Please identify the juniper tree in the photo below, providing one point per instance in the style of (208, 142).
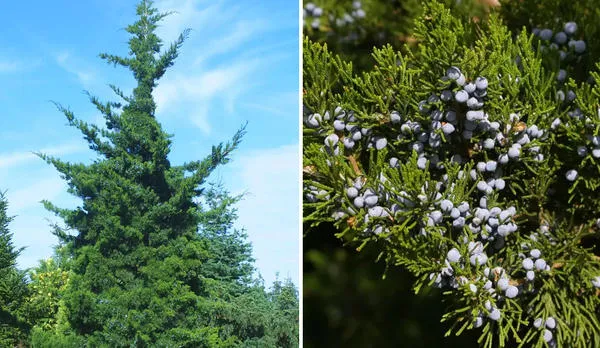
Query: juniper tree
(13, 288)
(138, 260)
(462, 159)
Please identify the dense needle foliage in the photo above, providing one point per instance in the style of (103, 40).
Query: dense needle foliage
(150, 258)
(471, 161)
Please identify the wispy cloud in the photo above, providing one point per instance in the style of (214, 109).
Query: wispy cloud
(65, 61)
(270, 210)
(22, 157)
(242, 32)
(31, 195)
(12, 65)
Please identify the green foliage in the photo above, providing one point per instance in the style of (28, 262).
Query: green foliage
(353, 36)
(13, 288)
(141, 274)
(552, 214)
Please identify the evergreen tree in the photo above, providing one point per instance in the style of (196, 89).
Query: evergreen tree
(232, 263)
(13, 287)
(138, 260)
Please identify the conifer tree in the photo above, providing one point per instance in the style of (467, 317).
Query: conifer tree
(13, 288)
(137, 258)
(472, 162)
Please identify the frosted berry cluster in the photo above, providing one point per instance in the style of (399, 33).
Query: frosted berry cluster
(312, 15)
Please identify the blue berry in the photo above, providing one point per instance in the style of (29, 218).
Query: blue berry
(530, 275)
(546, 34)
(596, 281)
(446, 205)
(528, 264)
(561, 76)
(550, 323)
(488, 143)
(503, 284)
(352, 192)
(461, 96)
(331, 140)
(547, 335)
(560, 38)
(540, 264)
(490, 166)
(570, 28)
(453, 255)
(422, 162)
(451, 116)
(371, 200)
(535, 253)
(514, 152)
(478, 259)
(500, 184)
(395, 117)
(448, 128)
(359, 202)
(511, 291)
(571, 175)
(453, 73)
(349, 143)
(495, 314)
(470, 87)
(481, 83)
(380, 143)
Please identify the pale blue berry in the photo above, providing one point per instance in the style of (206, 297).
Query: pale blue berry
(511, 291)
(547, 335)
(495, 314)
(481, 83)
(488, 143)
(535, 253)
(571, 175)
(540, 264)
(503, 284)
(352, 192)
(453, 73)
(395, 117)
(461, 96)
(560, 38)
(546, 34)
(470, 87)
(528, 264)
(453, 255)
(530, 275)
(448, 128)
(446, 205)
(359, 202)
(596, 281)
(500, 184)
(570, 28)
(380, 143)
(550, 323)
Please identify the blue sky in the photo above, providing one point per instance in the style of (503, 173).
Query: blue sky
(239, 64)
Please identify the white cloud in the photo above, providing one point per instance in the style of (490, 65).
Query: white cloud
(31, 195)
(65, 61)
(22, 157)
(9, 66)
(243, 31)
(270, 212)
